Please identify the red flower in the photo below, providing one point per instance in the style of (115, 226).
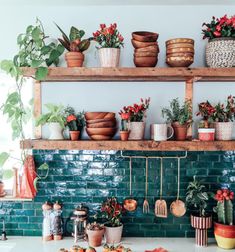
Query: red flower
(217, 34)
(102, 26)
(120, 37)
(71, 118)
(125, 116)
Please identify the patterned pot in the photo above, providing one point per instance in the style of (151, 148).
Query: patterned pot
(223, 130)
(225, 235)
(136, 130)
(201, 224)
(109, 57)
(220, 52)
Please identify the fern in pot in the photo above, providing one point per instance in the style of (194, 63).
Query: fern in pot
(197, 197)
(55, 120)
(180, 116)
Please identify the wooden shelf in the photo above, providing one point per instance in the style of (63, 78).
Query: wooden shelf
(62, 74)
(10, 198)
(145, 145)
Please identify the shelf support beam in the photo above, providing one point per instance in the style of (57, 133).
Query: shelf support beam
(189, 97)
(37, 107)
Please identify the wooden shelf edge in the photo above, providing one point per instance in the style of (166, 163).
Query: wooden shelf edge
(157, 74)
(145, 145)
(10, 198)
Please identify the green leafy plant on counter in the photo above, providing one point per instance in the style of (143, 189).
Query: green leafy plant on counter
(55, 114)
(35, 52)
(74, 42)
(178, 113)
(197, 197)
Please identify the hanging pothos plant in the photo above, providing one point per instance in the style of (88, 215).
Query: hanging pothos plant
(34, 51)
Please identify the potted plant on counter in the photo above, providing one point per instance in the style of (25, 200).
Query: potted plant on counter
(196, 201)
(137, 114)
(205, 130)
(72, 123)
(55, 120)
(180, 116)
(221, 35)
(124, 132)
(110, 42)
(224, 228)
(75, 46)
(224, 117)
(95, 233)
(111, 211)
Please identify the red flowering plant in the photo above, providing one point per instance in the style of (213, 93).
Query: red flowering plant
(137, 112)
(108, 37)
(219, 27)
(206, 111)
(72, 122)
(112, 211)
(124, 120)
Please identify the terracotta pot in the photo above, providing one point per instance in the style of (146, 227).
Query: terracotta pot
(74, 59)
(225, 235)
(113, 234)
(124, 135)
(223, 130)
(2, 192)
(95, 237)
(109, 57)
(136, 130)
(74, 135)
(201, 224)
(55, 131)
(180, 131)
(206, 134)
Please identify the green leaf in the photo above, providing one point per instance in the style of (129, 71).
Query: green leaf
(45, 50)
(84, 45)
(36, 63)
(44, 166)
(54, 55)
(41, 73)
(74, 34)
(7, 174)
(63, 33)
(35, 183)
(60, 49)
(36, 33)
(3, 158)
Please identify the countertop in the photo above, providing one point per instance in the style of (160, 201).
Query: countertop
(35, 244)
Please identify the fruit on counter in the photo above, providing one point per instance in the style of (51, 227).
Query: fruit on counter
(157, 250)
(77, 248)
(90, 249)
(119, 248)
(63, 250)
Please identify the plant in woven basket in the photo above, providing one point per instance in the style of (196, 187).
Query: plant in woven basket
(219, 27)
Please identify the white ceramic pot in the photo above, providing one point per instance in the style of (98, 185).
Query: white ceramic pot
(55, 131)
(109, 57)
(113, 234)
(223, 130)
(136, 130)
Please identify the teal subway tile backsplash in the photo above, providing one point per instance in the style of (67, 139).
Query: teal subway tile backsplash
(90, 176)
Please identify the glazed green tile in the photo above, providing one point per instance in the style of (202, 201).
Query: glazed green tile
(154, 233)
(223, 165)
(30, 225)
(31, 232)
(175, 233)
(14, 232)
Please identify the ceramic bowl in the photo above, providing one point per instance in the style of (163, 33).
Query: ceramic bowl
(101, 137)
(180, 54)
(145, 61)
(107, 124)
(148, 49)
(145, 54)
(99, 115)
(180, 50)
(100, 120)
(179, 61)
(145, 36)
(138, 44)
(180, 45)
(101, 131)
(180, 40)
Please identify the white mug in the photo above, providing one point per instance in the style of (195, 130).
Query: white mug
(162, 132)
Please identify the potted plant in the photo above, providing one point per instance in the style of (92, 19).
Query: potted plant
(137, 114)
(223, 117)
(111, 211)
(205, 131)
(124, 132)
(75, 46)
(72, 123)
(221, 35)
(180, 116)
(95, 233)
(110, 42)
(224, 228)
(196, 201)
(55, 119)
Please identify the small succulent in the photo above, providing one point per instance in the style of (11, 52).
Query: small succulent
(74, 42)
(95, 226)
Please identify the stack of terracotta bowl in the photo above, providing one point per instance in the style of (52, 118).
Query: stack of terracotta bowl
(146, 48)
(180, 52)
(100, 125)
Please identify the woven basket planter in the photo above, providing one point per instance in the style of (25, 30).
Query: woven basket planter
(220, 52)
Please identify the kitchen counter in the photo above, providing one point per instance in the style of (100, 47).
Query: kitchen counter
(35, 244)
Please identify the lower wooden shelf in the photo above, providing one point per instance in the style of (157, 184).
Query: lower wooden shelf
(11, 198)
(144, 145)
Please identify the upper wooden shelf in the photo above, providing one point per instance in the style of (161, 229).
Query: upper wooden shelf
(145, 145)
(62, 74)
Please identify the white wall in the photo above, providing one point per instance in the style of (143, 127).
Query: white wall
(168, 21)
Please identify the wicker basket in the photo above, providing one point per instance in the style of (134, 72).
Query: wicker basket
(220, 52)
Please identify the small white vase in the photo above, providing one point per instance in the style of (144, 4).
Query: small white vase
(113, 234)
(109, 57)
(223, 130)
(136, 130)
(55, 131)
